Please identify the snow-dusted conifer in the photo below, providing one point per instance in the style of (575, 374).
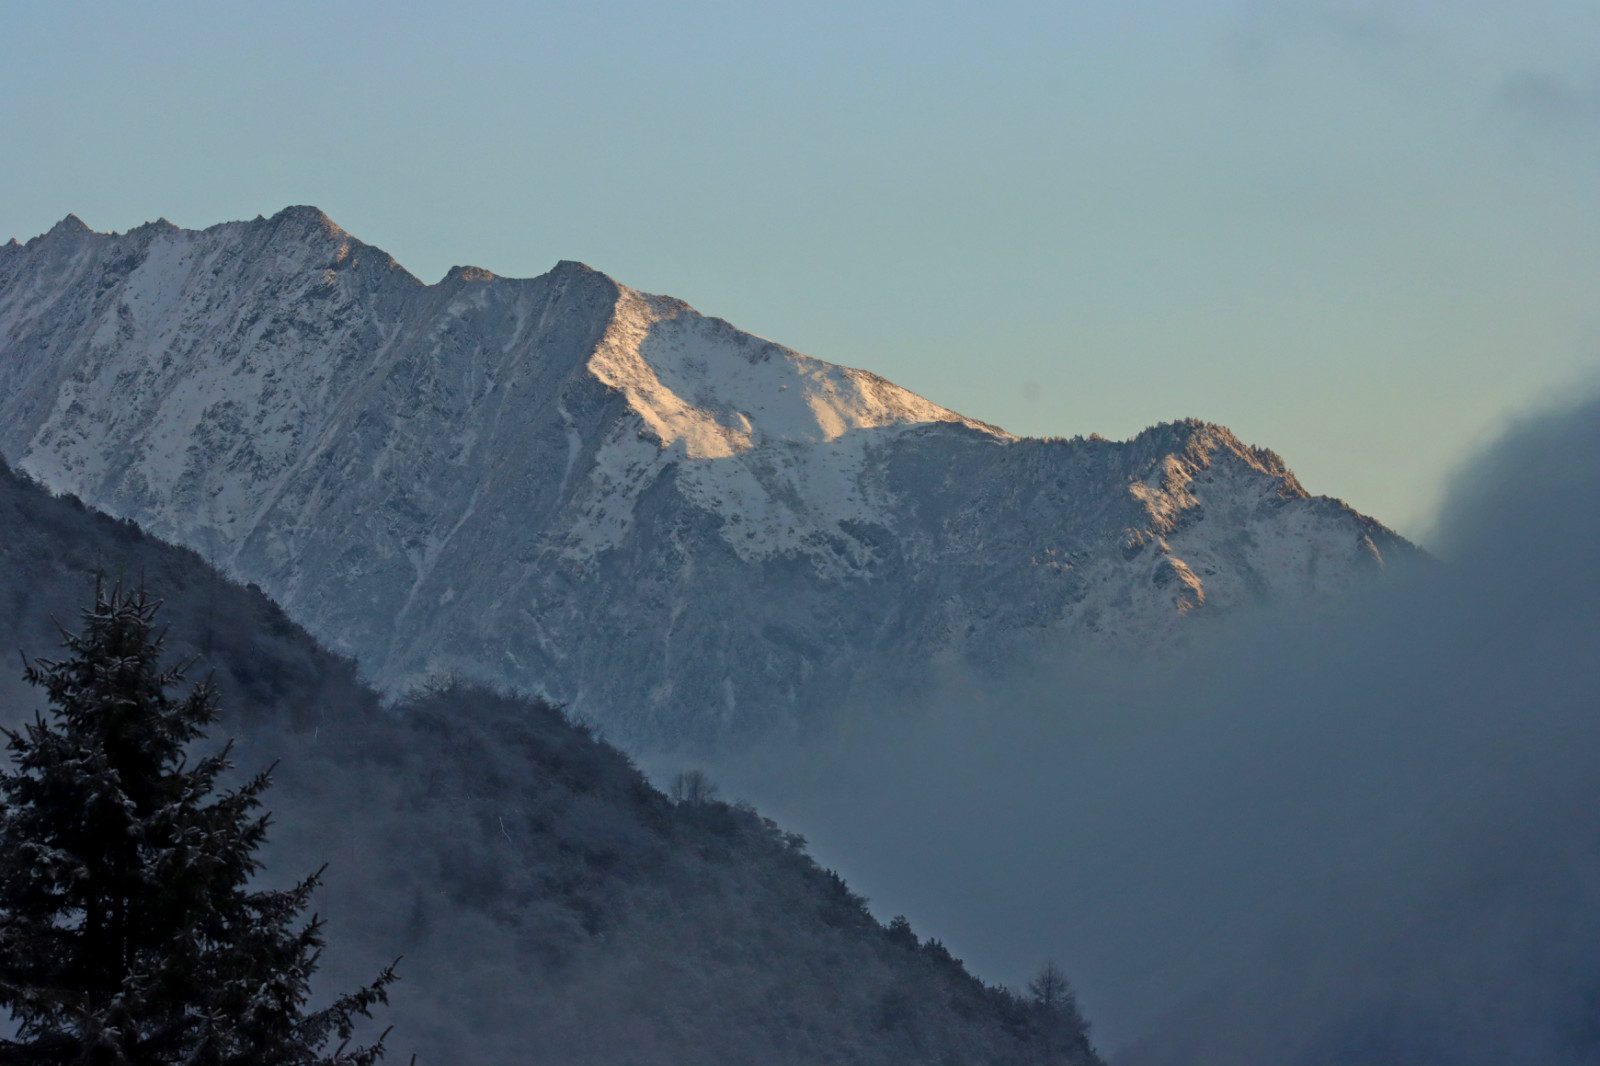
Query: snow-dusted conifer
(129, 933)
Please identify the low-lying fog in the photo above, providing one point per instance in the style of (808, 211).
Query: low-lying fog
(1357, 832)
(1368, 831)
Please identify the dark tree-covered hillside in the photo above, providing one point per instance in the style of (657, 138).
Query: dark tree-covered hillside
(551, 904)
(264, 666)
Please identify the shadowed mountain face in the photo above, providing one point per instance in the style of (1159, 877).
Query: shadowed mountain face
(551, 905)
(566, 486)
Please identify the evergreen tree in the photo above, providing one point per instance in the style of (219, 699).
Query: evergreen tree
(129, 932)
(1050, 990)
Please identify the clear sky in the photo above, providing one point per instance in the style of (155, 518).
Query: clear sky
(1360, 233)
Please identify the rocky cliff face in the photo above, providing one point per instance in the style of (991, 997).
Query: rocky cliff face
(564, 485)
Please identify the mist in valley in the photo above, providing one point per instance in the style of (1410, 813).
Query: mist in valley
(1358, 831)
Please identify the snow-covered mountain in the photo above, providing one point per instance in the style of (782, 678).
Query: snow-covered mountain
(564, 485)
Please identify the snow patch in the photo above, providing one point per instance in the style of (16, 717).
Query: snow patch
(772, 441)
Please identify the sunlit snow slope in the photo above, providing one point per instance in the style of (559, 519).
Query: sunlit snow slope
(564, 485)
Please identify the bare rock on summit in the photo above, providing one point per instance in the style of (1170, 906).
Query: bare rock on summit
(563, 485)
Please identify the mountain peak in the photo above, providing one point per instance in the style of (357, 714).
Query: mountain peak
(303, 212)
(69, 226)
(311, 219)
(469, 274)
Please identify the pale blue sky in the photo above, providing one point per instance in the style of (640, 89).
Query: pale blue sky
(1361, 233)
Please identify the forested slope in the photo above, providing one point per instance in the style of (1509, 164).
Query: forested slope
(552, 906)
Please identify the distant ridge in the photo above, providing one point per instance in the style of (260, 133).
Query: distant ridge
(570, 487)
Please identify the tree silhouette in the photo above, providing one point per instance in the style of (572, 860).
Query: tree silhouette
(129, 932)
(693, 788)
(1058, 1021)
(1049, 988)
